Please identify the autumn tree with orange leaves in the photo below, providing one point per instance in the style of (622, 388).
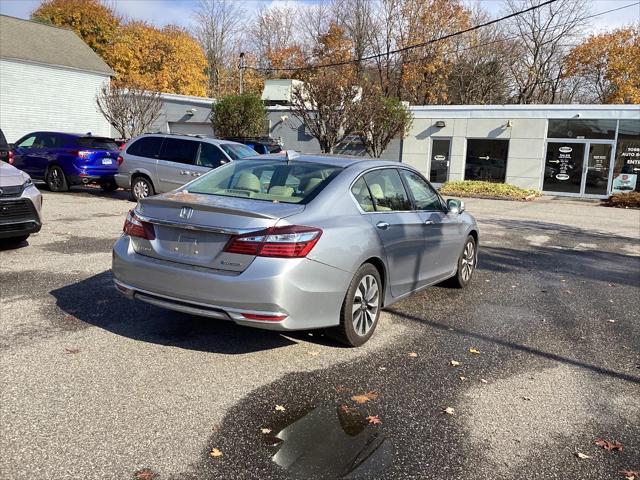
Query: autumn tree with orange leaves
(93, 21)
(609, 66)
(142, 56)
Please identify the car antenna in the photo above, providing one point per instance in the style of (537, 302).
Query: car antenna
(290, 155)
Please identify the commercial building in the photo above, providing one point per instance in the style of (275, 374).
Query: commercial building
(49, 79)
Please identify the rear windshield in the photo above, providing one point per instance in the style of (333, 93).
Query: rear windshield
(236, 151)
(267, 180)
(98, 143)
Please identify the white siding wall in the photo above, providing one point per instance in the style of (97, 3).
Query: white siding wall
(42, 97)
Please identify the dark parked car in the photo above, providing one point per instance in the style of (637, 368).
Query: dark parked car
(262, 145)
(4, 148)
(64, 159)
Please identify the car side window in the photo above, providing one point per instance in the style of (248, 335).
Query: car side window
(210, 156)
(387, 190)
(28, 142)
(361, 193)
(424, 195)
(179, 151)
(48, 140)
(145, 147)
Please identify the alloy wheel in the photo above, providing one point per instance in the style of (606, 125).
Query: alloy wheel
(468, 261)
(141, 189)
(366, 303)
(55, 179)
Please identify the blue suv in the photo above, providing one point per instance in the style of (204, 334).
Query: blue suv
(65, 159)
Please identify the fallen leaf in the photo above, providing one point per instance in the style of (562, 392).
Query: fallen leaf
(279, 408)
(365, 397)
(611, 321)
(412, 354)
(463, 378)
(629, 474)
(450, 411)
(455, 363)
(313, 353)
(473, 350)
(347, 409)
(483, 380)
(581, 456)
(71, 351)
(382, 369)
(145, 474)
(264, 431)
(609, 446)
(215, 452)
(374, 419)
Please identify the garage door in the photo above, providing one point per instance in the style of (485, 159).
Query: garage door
(191, 128)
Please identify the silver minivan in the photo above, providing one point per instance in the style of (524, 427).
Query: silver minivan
(161, 162)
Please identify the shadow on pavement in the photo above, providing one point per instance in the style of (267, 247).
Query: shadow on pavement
(587, 265)
(516, 346)
(96, 302)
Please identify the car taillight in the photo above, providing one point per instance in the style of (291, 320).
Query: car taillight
(120, 160)
(134, 227)
(292, 241)
(10, 157)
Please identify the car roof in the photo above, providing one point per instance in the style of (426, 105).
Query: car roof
(188, 136)
(343, 161)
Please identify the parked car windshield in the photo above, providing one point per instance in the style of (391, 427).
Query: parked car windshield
(237, 151)
(98, 143)
(267, 180)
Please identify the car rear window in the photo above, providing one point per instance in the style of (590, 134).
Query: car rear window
(267, 180)
(237, 151)
(145, 147)
(97, 143)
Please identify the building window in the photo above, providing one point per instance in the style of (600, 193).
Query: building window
(627, 165)
(486, 160)
(440, 149)
(575, 128)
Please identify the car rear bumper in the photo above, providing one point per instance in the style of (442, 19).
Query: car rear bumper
(307, 293)
(87, 178)
(123, 180)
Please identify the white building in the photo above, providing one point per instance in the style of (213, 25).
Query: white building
(49, 79)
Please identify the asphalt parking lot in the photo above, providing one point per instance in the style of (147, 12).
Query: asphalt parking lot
(95, 386)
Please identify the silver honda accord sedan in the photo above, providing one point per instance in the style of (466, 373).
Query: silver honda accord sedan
(288, 243)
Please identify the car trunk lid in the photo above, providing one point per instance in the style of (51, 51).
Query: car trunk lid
(194, 229)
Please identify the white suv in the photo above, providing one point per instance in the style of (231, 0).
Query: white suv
(161, 162)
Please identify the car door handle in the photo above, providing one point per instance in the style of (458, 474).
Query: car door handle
(185, 172)
(382, 225)
(428, 222)
(196, 174)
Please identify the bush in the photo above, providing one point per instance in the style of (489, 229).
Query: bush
(472, 188)
(239, 116)
(624, 200)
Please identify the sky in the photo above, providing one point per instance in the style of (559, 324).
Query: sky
(162, 12)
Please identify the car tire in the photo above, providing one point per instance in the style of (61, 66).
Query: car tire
(358, 319)
(141, 187)
(466, 264)
(109, 186)
(56, 179)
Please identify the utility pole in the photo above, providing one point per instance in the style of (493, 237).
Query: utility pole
(241, 67)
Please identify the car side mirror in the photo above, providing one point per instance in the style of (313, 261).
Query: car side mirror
(455, 206)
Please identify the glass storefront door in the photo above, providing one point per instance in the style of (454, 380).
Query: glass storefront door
(596, 175)
(577, 168)
(439, 171)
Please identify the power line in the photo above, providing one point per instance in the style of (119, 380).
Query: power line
(439, 39)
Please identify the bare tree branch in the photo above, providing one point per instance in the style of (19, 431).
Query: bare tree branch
(131, 111)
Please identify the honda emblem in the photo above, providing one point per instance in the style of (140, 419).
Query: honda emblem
(186, 213)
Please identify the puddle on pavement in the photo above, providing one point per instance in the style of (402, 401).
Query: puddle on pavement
(328, 442)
